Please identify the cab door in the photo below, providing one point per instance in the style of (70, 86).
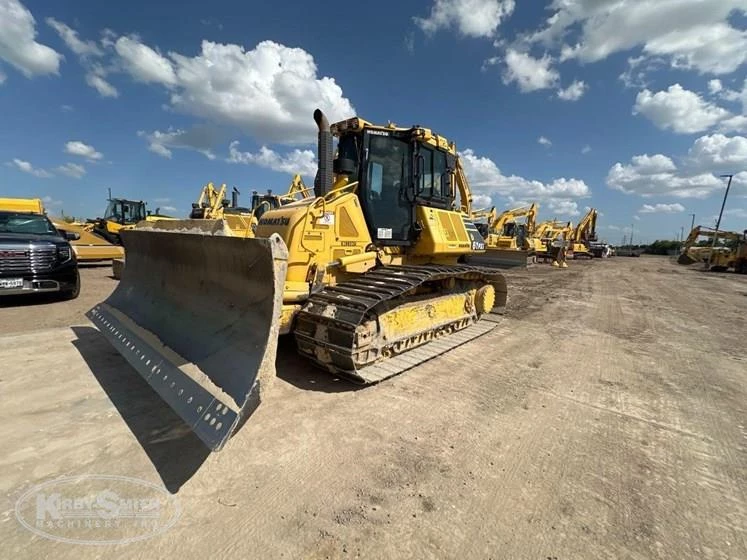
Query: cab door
(386, 188)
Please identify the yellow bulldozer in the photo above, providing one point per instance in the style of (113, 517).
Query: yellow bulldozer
(583, 235)
(552, 239)
(368, 276)
(508, 236)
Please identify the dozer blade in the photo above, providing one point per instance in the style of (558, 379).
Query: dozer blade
(90, 248)
(197, 316)
(502, 258)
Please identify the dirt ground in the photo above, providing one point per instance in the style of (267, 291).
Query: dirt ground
(606, 417)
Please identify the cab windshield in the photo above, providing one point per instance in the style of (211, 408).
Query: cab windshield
(125, 211)
(34, 224)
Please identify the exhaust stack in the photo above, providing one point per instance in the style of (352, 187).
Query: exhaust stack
(323, 180)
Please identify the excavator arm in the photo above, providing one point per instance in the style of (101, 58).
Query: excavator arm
(462, 186)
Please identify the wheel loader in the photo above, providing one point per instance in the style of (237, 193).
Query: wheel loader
(508, 241)
(368, 276)
(122, 214)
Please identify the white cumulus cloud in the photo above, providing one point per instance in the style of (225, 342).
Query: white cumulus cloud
(200, 139)
(544, 141)
(143, 63)
(696, 175)
(72, 170)
(661, 208)
(73, 42)
(295, 161)
(487, 180)
(529, 73)
(678, 109)
(98, 81)
(26, 167)
(472, 18)
(573, 92)
(78, 148)
(18, 45)
(689, 34)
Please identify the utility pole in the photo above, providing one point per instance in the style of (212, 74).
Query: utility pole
(718, 222)
(692, 224)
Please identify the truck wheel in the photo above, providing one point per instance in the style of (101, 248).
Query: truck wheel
(73, 292)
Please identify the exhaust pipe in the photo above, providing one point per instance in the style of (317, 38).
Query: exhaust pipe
(323, 179)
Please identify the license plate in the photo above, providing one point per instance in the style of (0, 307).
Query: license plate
(11, 283)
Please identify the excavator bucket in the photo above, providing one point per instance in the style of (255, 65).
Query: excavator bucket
(686, 258)
(502, 258)
(196, 313)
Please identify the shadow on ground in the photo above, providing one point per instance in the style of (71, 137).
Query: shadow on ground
(175, 451)
(24, 300)
(302, 373)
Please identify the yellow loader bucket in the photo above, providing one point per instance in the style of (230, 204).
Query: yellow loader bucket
(197, 316)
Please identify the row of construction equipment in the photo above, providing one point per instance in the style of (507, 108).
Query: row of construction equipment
(383, 265)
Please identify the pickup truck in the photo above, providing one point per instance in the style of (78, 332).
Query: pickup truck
(36, 257)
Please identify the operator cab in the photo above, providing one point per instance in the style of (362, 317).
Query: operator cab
(124, 211)
(395, 172)
(261, 203)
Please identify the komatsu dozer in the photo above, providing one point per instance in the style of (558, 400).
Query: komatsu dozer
(368, 276)
(508, 237)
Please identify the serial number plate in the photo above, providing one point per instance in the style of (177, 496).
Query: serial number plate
(11, 282)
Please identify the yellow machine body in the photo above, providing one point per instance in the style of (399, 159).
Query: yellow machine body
(369, 275)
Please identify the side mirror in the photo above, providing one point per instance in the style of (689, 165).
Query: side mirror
(72, 235)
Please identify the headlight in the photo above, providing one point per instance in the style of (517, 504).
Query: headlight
(63, 254)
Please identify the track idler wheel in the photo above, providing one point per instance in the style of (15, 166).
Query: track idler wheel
(485, 299)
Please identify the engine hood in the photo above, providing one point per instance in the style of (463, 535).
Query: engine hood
(20, 238)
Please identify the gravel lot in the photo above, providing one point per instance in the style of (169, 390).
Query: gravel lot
(605, 418)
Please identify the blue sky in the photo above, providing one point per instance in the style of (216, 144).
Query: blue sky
(633, 107)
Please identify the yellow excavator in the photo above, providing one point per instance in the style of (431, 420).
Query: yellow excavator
(508, 241)
(368, 276)
(213, 204)
(583, 235)
(552, 239)
(721, 258)
(235, 220)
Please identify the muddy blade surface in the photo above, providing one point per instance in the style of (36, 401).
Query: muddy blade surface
(197, 316)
